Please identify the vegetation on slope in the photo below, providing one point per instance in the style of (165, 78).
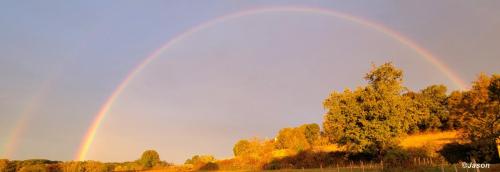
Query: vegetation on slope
(380, 125)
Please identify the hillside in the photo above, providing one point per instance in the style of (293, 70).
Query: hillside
(431, 138)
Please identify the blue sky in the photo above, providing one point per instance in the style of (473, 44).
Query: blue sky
(242, 78)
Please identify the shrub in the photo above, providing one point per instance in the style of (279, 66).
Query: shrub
(211, 166)
(396, 157)
(456, 152)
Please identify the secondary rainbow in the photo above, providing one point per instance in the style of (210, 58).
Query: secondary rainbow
(428, 56)
(21, 125)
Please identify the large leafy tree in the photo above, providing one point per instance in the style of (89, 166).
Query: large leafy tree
(149, 158)
(370, 118)
(481, 112)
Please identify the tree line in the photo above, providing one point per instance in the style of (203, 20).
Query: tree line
(150, 159)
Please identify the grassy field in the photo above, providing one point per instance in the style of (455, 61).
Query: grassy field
(433, 138)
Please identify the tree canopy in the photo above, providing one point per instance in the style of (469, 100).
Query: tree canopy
(149, 158)
(370, 118)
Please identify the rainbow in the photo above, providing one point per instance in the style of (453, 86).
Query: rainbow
(22, 123)
(13, 138)
(428, 56)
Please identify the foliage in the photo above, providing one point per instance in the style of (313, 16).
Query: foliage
(149, 158)
(307, 159)
(455, 118)
(34, 168)
(456, 152)
(370, 118)
(292, 138)
(210, 166)
(480, 108)
(202, 162)
(200, 159)
(299, 138)
(128, 166)
(242, 147)
(430, 105)
(396, 157)
(312, 132)
(85, 166)
(249, 154)
(4, 163)
(253, 148)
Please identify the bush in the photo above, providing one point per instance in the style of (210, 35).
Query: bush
(307, 159)
(34, 168)
(211, 166)
(241, 163)
(396, 157)
(456, 152)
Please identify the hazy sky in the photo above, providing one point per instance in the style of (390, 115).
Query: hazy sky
(241, 78)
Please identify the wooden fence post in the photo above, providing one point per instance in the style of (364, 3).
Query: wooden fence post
(350, 166)
(474, 162)
(382, 164)
(362, 166)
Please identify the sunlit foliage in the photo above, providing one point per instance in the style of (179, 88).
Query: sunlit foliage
(370, 118)
(292, 138)
(149, 158)
(481, 113)
(430, 108)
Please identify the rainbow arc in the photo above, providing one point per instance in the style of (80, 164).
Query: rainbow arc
(428, 56)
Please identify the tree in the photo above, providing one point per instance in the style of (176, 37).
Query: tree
(311, 132)
(481, 111)
(4, 164)
(242, 147)
(95, 166)
(371, 118)
(149, 158)
(430, 107)
(292, 138)
(72, 166)
(454, 105)
(253, 148)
